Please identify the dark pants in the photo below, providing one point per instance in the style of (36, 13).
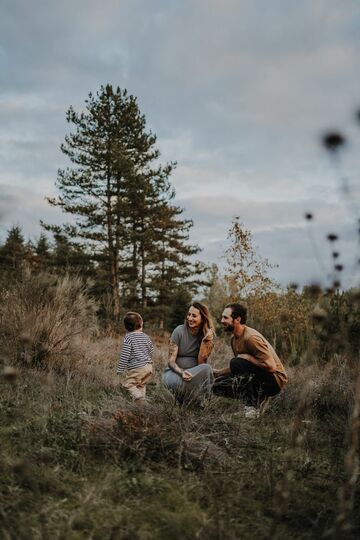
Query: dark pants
(246, 381)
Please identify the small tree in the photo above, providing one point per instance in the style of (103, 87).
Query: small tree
(14, 251)
(246, 271)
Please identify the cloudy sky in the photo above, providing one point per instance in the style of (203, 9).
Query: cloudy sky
(238, 93)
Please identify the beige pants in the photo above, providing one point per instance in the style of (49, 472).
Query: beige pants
(136, 380)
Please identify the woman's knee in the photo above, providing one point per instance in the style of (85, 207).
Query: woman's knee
(172, 383)
(207, 369)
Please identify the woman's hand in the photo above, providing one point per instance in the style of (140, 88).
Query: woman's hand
(207, 345)
(186, 376)
(209, 335)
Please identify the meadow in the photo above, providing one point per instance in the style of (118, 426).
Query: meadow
(79, 461)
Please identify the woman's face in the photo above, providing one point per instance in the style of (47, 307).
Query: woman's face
(193, 318)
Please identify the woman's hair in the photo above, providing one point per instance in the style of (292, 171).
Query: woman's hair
(206, 319)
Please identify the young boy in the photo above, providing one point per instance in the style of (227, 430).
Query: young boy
(136, 356)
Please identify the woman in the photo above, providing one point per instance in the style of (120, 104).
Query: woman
(188, 375)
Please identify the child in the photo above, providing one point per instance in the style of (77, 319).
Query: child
(136, 356)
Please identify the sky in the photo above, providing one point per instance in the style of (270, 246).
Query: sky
(238, 92)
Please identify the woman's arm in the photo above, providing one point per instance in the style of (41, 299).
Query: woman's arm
(206, 347)
(173, 352)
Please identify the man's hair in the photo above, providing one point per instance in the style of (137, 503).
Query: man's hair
(132, 321)
(238, 310)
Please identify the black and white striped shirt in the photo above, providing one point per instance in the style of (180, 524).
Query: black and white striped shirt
(136, 352)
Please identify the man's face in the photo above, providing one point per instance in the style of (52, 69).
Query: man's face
(227, 320)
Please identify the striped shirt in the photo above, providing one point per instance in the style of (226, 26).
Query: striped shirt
(136, 352)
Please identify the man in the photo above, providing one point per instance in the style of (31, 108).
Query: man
(256, 372)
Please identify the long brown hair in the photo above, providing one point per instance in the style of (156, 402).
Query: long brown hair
(206, 319)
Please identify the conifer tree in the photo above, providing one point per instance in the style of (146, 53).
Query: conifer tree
(116, 190)
(14, 251)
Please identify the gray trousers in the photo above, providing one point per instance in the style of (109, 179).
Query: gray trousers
(200, 384)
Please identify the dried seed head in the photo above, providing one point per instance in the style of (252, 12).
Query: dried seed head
(335, 254)
(314, 290)
(25, 338)
(10, 374)
(355, 295)
(318, 314)
(309, 216)
(333, 141)
(336, 284)
(332, 237)
(330, 290)
(339, 267)
(293, 286)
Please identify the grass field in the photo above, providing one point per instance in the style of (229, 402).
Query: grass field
(78, 460)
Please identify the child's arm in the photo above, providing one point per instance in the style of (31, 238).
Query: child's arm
(124, 356)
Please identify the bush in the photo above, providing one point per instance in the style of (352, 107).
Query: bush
(42, 319)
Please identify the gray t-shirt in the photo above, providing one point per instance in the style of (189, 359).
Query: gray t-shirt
(188, 344)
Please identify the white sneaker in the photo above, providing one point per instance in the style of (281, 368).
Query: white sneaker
(251, 412)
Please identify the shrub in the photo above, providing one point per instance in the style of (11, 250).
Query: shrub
(42, 318)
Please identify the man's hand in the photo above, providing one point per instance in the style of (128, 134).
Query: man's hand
(219, 372)
(186, 376)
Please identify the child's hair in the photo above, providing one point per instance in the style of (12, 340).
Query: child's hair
(132, 321)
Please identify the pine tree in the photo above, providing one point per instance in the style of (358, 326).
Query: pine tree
(14, 252)
(42, 251)
(116, 192)
(69, 257)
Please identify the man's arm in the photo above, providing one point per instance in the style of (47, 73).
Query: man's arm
(223, 371)
(260, 354)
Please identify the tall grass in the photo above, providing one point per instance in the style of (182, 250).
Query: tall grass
(78, 460)
(44, 318)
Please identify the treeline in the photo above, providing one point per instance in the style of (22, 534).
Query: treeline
(60, 257)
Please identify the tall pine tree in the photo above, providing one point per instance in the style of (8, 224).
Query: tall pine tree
(116, 192)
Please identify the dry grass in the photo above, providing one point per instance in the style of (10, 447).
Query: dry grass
(43, 320)
(78, 460)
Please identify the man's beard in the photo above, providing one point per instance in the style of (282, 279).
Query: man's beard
(228, 328)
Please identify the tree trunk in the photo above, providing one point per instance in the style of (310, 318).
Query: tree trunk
(143, 278)
(114, 262)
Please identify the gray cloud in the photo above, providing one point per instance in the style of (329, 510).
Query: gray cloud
(299, 249)
(238, 92)
(24, 207)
